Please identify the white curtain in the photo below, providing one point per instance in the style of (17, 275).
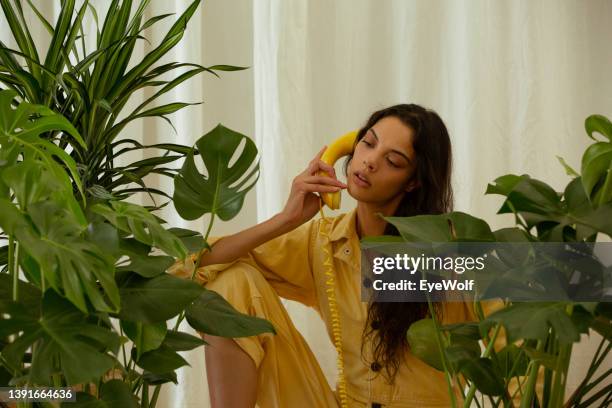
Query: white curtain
(513, 81)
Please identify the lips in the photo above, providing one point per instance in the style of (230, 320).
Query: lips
(360, 179)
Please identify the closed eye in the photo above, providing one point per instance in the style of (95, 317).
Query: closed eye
(389, 160)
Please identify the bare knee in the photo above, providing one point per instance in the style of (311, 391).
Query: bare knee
(231, 374)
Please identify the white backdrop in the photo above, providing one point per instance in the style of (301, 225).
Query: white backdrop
(513, 81)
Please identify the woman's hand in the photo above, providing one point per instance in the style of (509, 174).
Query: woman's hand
(303, 202)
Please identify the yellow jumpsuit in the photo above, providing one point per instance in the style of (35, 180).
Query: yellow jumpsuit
(291, 266)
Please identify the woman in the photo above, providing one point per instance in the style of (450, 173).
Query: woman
(401, 165)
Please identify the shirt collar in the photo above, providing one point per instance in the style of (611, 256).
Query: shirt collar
(345, 227)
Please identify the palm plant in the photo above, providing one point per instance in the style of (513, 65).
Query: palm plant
(84, 270)
(91, 88)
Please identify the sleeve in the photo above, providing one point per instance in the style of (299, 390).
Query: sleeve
(285, 262)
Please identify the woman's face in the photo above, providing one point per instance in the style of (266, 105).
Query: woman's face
(383, 162)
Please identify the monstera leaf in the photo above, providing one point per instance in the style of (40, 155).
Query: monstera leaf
(142, 224)
(533, 320)
(222, 192)
(211, 314)
(454, 226)
(20, 133)
(596, 165)
(599, 124)
(421, 338)
(63, 335)
(51, 235)
(527, 195)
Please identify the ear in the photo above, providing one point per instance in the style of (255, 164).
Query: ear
(412, 185)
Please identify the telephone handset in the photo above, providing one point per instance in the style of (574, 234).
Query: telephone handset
(340, 147)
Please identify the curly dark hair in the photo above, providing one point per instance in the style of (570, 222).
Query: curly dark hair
(386, 322)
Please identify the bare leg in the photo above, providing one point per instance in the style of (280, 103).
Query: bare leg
(231, 374)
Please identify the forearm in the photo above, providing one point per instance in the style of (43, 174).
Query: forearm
(232, 247)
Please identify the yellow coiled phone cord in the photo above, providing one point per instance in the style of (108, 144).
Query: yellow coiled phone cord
(330, 284)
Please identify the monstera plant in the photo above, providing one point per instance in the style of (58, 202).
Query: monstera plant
(85, 300)
(539, 336)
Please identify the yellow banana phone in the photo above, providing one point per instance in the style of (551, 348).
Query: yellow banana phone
(340, 147)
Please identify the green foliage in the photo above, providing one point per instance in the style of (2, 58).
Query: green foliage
(66, 339)
(419, 336)
(157, 299)
(535, 320)
(113, 393)
(455, 226)
(139, 222)
(92, 304)
(92, 88)
(537, 333)
(222, 192)
(212, 314)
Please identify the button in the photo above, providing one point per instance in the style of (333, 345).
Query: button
(347, 251)
(375, 366)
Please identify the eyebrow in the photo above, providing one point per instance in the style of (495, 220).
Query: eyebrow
(393, 150)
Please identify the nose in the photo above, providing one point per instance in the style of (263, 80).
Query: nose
(369, 163)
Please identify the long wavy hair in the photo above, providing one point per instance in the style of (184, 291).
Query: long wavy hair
(387, 323)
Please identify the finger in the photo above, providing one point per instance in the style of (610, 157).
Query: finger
(318, 156)
(316, 166)
(312, 169)
(328, 168)
(323, 180)
(313, 164)
(321, 188)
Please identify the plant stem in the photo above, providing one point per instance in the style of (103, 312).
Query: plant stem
(580, 390)
(182, 314)
(144, 400)
(598, 380)
(560, 375)
(534, 365)
(487, 353)
(137, 384)
(595, 397)
(461, 387)
(125, 361)
(442, 355)
(195, 269)
(13, 270)
(210, 224)
(602, 357)
(478, 310)
(608, 399)
(515, 365)
(519, 389)
(154, 397)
